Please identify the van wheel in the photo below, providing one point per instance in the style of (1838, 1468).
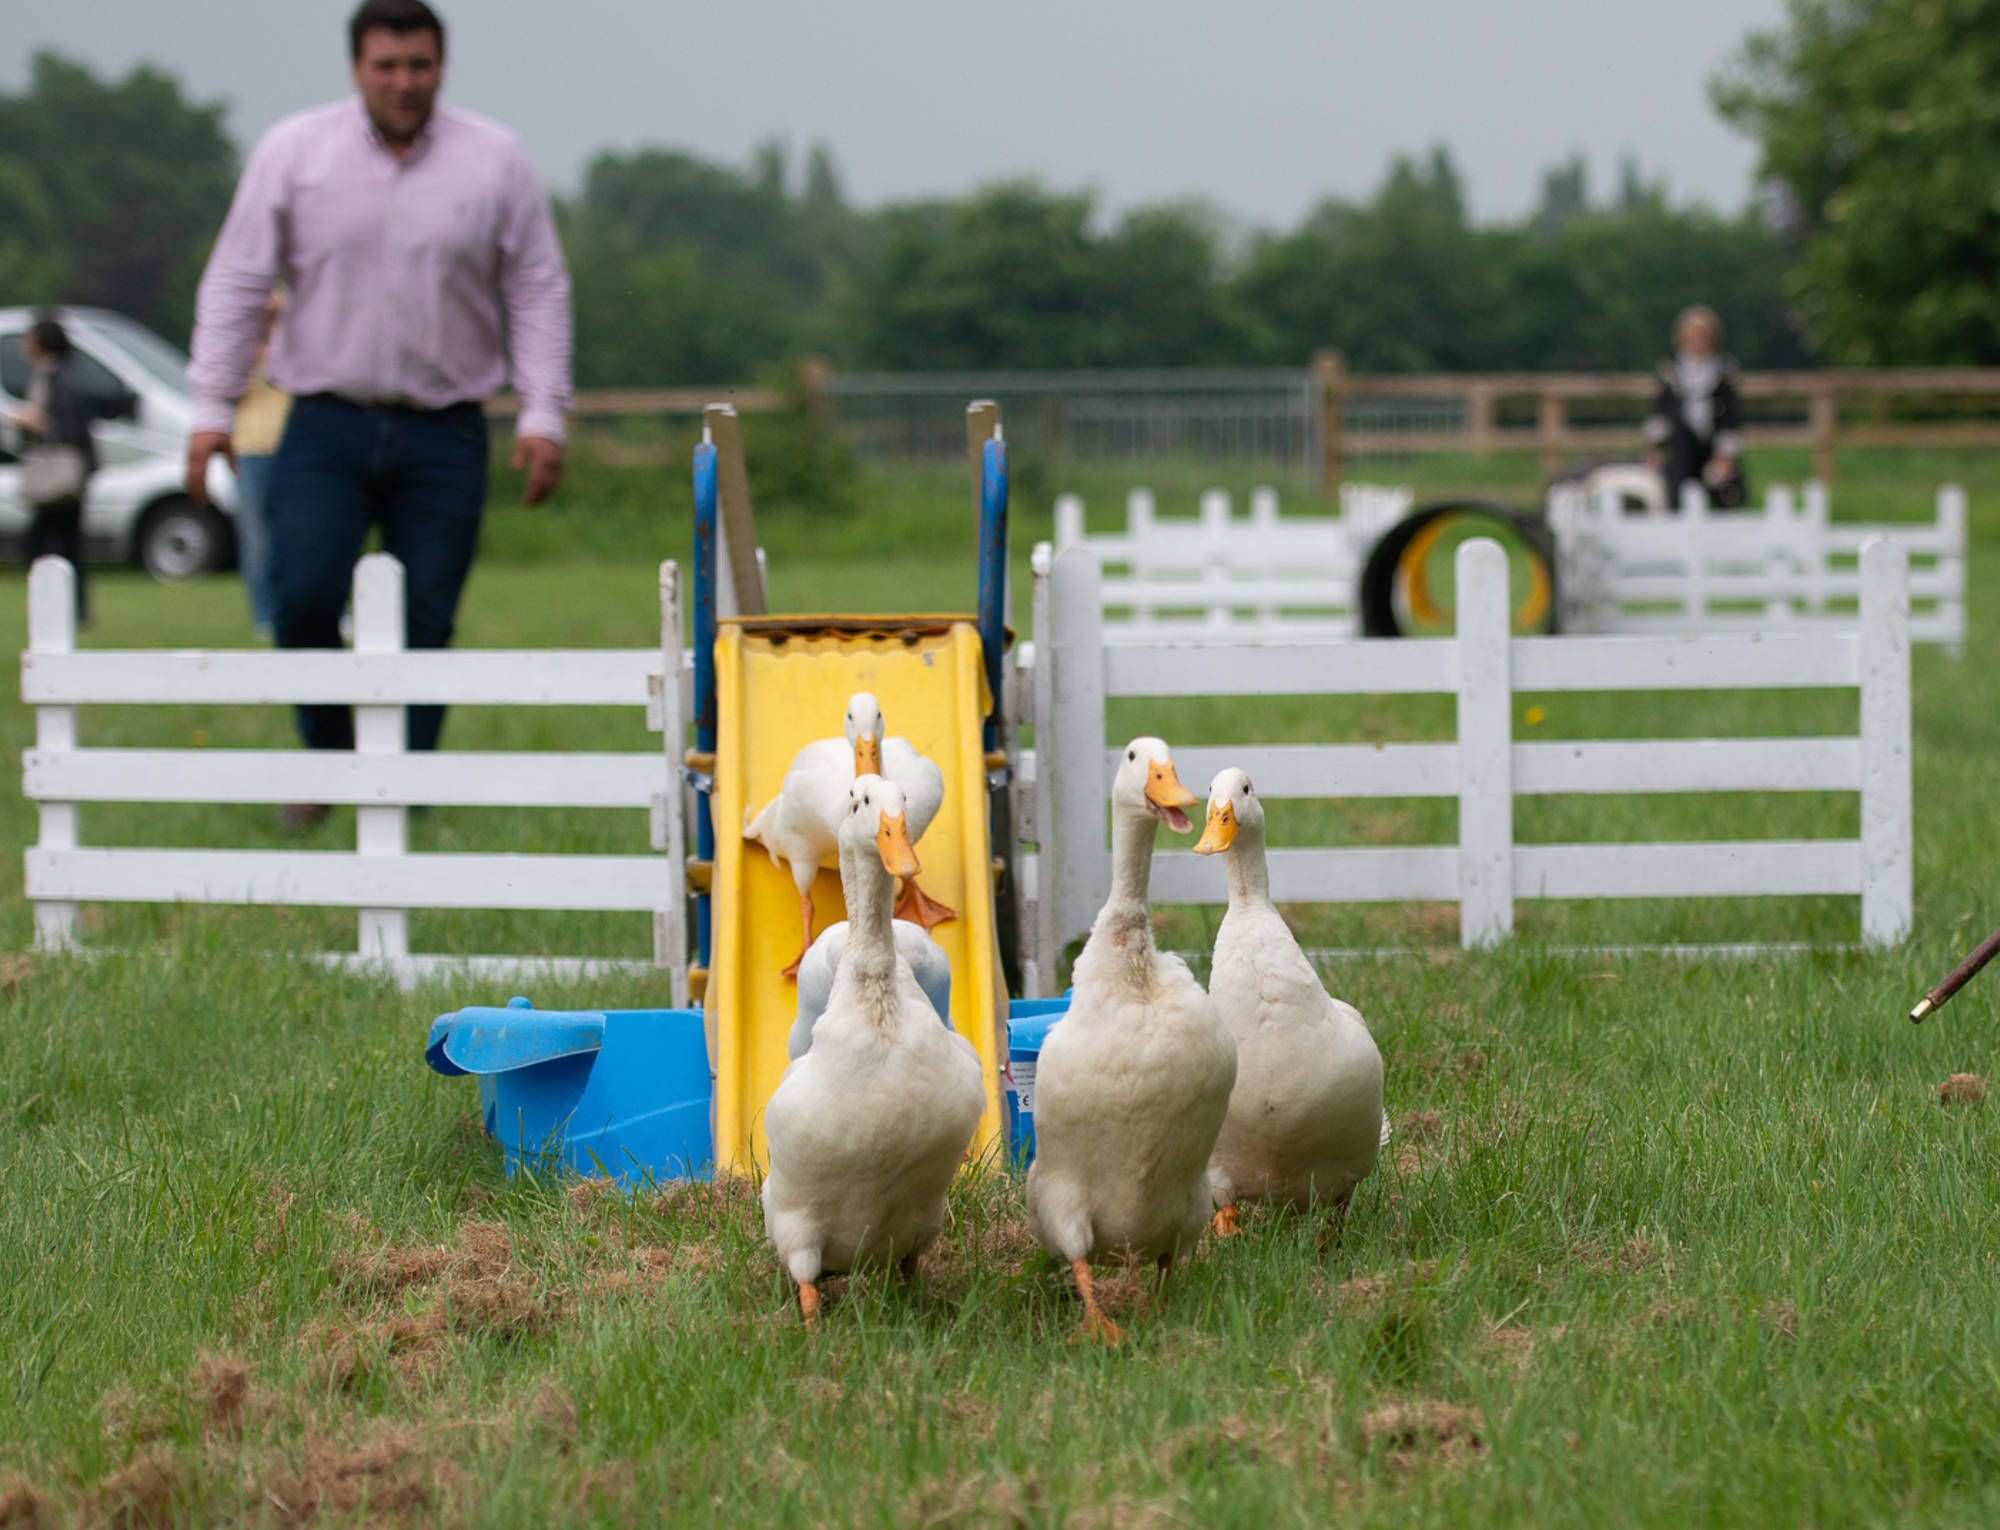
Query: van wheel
(179, 539)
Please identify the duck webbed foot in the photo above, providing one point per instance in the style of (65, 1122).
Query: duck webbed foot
(809, 1304)
(1228, 1222)
(916, 906)
(1097, 1328)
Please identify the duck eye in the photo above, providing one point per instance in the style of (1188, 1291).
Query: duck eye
(1131, 754)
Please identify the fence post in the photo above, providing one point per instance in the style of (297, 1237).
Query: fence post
(815, 372)
(1039, 970)
(1329, 371)
(52, 629)
(378, 732)
(670, 947)
(1073, 753)
(1951, 508)
(1551, 419)
(1825, 427)
(1069, 519)
(1886, 799)
(1485, 746)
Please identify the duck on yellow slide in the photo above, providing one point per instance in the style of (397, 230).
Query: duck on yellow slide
(780, 684)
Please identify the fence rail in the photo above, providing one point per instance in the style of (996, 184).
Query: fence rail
(380, 877)
(1307, 422)
(1221, 577)
(1066, 876)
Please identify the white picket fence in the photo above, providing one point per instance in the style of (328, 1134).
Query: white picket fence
(1073, 671)
(1221, 574)
(380, 877)
(1226, 576)
(1785, 565)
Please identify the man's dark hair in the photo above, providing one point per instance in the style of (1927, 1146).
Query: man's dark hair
(397, 16)
(51, 339)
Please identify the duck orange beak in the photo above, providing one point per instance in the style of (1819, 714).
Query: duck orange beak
(867, 756)
(1220, 832)
(1166, 796)
(892, 843)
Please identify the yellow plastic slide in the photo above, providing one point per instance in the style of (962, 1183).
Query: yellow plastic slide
(782, 682)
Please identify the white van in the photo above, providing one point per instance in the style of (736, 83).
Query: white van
(135, 510)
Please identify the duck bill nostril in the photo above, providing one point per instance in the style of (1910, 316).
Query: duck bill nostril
(1219, 833)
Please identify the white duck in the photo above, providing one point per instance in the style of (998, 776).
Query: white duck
(1132, 1086)
(1305, 1119)
(928, 963)
(867, 1129)
(798, 828)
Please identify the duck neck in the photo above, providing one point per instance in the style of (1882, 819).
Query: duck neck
(869, 958)
(1128, 915)
(1249, 872)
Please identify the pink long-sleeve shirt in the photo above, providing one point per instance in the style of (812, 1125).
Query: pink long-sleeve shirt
(400, 270)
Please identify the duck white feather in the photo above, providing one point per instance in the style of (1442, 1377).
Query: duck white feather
(799, 828)
(1305, 1119)
(1131, 1088)
(928, 963)
(867, 1129)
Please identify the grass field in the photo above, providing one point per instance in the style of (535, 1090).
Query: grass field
(1656, 1243)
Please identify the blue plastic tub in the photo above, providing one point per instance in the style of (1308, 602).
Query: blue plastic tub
(618, 1092)
(1028, 1023)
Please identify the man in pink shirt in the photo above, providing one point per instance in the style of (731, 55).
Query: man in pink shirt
(408, 232)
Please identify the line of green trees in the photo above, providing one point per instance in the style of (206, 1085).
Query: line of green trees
(1875, 244)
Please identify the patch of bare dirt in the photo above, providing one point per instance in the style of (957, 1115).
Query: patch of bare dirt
(21, 1506)
(221, 1386)
(1962, 1089)
(1424, 1433)
(957, 1499)
(138, 1496)
(1510, 1343)
(551, 1415)
(16, 969)
(1230, 1441)
(585, 1194)
(389, 1474)
(1373, 1289)
(1780, 1317)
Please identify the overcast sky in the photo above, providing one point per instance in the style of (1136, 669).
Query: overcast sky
(1260, 106)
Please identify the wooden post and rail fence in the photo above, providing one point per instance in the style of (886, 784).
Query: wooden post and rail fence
(1818, 411)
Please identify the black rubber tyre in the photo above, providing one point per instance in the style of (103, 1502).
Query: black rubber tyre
(1378, 577)
(180, 540)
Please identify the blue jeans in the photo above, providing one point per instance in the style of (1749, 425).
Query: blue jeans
(420, 475)
(253, 538)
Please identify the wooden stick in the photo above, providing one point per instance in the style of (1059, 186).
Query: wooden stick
(1957, 978)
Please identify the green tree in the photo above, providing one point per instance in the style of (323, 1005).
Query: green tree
(1881, 121)
(1403, 283)
(1010, 277)
(134, 180)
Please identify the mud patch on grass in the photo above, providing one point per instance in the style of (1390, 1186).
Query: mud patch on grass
(1962, 1089)
(1414, 1435)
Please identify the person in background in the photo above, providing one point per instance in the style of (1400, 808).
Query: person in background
(260, 425)
(1694, 433)
(421, 257)
(58, 454)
